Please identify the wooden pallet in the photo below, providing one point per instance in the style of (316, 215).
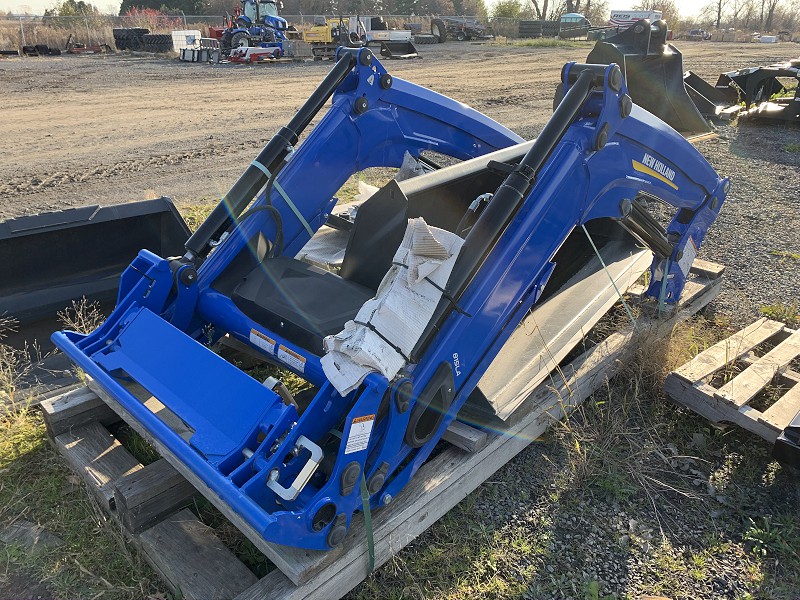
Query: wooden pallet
(193, 562)
(729, 402)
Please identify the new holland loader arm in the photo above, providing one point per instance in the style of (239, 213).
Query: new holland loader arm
(292, 468)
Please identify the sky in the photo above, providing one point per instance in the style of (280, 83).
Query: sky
(687, 7)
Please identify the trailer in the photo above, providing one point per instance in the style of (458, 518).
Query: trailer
(626, 18)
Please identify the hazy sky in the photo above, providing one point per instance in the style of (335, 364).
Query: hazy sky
(687, 7)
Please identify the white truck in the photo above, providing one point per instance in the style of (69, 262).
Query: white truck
(374, 29)
(626, 18)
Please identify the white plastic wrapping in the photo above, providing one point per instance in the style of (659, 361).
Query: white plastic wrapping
(387, 328)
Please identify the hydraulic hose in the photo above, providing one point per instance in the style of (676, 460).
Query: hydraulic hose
(253, 179)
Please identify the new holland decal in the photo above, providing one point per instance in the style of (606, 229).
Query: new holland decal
(655, 168)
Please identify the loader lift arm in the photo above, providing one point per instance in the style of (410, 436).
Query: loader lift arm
(291, 469)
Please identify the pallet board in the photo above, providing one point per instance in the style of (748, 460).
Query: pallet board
(188, 556)
(691, 384)
(191, 560)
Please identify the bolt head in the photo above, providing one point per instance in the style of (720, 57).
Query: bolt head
(387, 499)
(602, 137)
(625, 106)
(615, 79)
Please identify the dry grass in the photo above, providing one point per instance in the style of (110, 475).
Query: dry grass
(15, 364)
(82, 316)
(15, 33)
(11, 36)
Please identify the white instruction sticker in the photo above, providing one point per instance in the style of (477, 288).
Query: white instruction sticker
(262, 341)
(360, 430)
(293, 359)
(689, 254)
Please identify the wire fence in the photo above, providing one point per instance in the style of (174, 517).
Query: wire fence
(17, 31)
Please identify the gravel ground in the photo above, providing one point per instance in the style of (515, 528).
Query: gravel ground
(761, 217)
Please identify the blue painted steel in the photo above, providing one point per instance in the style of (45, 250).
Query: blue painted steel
(244, 435)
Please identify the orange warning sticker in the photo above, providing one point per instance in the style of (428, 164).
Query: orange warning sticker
(259, 340)
(292, 358)
(360, 432)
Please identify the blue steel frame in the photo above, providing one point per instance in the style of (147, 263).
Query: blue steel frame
(243, 431)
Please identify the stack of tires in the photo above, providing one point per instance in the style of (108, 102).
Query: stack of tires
(40, 50)
(157, 42)
(130, 38)
(530, 29)
(536, 29)
(550, 28)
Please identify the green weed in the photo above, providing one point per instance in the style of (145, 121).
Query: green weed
(785, 313)
(786, 253)
(776, 537)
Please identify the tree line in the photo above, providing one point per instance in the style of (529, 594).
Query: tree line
(748, 15)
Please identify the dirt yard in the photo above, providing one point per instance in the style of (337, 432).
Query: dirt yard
(108, 129)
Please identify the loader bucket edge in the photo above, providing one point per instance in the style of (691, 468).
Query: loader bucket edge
(50, 259)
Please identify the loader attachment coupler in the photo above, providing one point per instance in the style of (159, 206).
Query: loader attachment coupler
(438, 272)
(653, 70)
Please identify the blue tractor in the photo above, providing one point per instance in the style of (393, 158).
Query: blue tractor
(258, 24)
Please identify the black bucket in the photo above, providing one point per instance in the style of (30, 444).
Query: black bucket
(395, 50)
(708, 99)
(50, 259)
(653, 71)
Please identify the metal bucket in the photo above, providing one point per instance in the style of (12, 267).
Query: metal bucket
(653, 70)
(50, 259)
(399, 50)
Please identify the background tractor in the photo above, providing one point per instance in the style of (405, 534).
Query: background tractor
(257, 24)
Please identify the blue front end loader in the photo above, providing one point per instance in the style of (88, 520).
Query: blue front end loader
(296, 469)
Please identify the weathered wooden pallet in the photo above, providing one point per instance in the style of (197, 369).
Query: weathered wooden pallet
(193, 562)
(730, 401)
(147, 500)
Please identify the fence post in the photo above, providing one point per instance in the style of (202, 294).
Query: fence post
(22, 31)
(86, 22)
(185, 27)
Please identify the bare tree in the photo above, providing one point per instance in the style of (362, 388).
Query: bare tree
(770, 5)
(717, 7)
(668, 8)
(540, 12)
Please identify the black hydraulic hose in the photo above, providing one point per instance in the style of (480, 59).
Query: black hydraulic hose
(277, 247)
(276, 150)
(508, 199)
